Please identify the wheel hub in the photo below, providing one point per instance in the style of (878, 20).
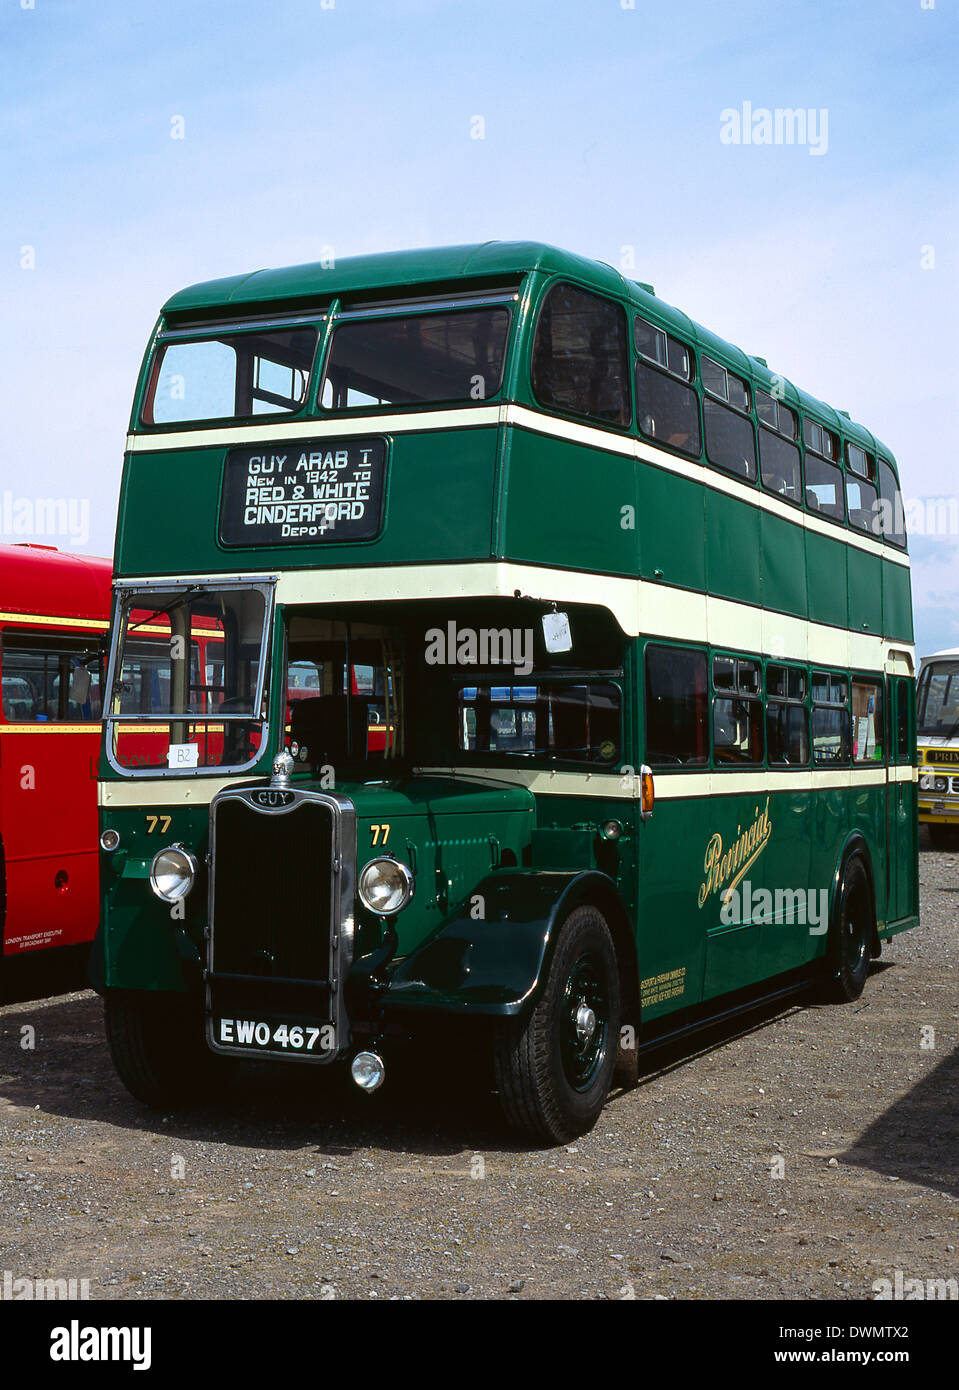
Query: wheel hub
(584, 1030)
(585, 1022)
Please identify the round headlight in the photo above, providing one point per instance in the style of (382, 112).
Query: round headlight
(385, 886)
(942, 784)
(172, 873)
(109, 840)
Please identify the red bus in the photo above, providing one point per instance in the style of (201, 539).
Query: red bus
(54, 613)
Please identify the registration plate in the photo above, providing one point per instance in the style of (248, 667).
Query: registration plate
(309, 1039)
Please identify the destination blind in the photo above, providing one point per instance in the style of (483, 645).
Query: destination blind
(303, 492)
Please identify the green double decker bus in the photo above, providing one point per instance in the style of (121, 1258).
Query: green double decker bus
(499, 656)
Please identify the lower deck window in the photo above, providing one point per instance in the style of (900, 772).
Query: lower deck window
(787, 733)
(738, 731)
(575, 723)
(867, 722)
(677, 696)
(50, 679)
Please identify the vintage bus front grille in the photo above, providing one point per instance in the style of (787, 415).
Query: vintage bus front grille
(280, 906)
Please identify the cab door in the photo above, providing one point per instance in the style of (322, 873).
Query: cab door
(901, 813)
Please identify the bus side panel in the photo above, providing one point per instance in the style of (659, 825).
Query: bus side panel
(865, 591)
(566, 504)
(896, 602)
(49, 830)
(786, 936)
(732, 549)
(671, 518)
(826, 580)
(782, 556)
(671, 927)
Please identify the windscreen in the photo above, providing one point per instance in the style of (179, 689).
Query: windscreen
(186, 680)
(938, 700)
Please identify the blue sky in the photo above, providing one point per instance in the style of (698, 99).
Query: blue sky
(309, 125)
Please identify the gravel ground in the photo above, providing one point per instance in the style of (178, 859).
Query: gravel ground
(420, 1193)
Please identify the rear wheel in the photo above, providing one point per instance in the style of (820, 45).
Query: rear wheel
(554, 1067)
(158, 1047)
(852, 934)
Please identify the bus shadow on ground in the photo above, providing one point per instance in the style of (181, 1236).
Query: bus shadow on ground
(42, 974)
(917, 1139)
(434, 1105)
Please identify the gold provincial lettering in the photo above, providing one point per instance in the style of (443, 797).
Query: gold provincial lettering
(723, 868)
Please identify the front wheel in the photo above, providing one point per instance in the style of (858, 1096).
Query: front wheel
(158, 1047)
(852, 932)
(555, 1066)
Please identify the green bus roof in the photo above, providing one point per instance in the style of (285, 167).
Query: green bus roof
(449, 266)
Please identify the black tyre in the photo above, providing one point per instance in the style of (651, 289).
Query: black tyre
(158, 1047)
(554, 1067)
(851, 937)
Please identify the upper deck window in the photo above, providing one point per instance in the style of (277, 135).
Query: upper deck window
(893, 514)
(778, 461)
(720, 382)
(416, 358)
(775, 415)
(580, 355)
(862, 494)
(668, 406)
(824, 490)
(729, 432)
(229, 376)
(819, 440)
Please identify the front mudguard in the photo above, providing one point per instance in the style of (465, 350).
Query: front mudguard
(492, 956)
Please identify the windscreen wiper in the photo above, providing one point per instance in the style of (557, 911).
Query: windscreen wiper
(164, 612)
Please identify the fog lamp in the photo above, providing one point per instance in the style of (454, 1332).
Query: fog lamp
(368, 1071)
